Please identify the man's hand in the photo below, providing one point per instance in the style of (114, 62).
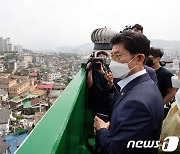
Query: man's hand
(101, 70)
(109, 77)
(88, 65)
(99, 123)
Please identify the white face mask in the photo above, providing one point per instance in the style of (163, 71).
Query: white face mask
(120, 70)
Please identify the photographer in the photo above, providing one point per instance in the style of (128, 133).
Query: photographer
(96, 81)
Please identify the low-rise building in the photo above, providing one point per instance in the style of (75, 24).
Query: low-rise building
(4, 121)
(34, 74)
(22, 65)
(45, 86)
(41, 93)
(6, 83)
(28, 58)
(15, 85)
(4, 75)
(35, 105)
(17, 102)
(12, 65)
(19, 88)
(4, 147)
(53, 76)
(3, 95)
(2, 68)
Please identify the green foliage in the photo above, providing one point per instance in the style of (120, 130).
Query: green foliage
(39, 75)
(19, 117)
(22, 73)
(17, 73)
(11, 57)
(8, 71)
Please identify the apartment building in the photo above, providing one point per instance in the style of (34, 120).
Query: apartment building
(19, 88)
(5, 84)
(16, 85)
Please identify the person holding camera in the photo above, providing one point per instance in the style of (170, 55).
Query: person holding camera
(100, 95)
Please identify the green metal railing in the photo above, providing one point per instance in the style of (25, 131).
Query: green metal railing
(65, 126)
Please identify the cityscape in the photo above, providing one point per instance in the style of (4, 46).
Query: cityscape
(31, 81)
(49, 96)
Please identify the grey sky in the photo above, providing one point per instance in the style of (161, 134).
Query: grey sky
(47, 24)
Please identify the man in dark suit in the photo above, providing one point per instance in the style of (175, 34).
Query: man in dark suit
(138, 111)
(151, 73)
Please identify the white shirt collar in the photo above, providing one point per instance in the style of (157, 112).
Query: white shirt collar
(122, 83)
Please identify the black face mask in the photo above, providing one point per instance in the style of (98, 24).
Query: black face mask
(149, 62)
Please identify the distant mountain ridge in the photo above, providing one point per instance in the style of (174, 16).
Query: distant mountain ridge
(165, 43)
(88, 47)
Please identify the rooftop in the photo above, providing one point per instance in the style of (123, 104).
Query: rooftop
(47, 86)
(55, 93)
(6, 80)
(20, 84)
(39, 92)
(3, 92)
(15, 141)
(27, 104)
(33, 74)
(3, 146)
(19, 98)
(5, 115)
(32, 102)
(36, 101)
(3, 74)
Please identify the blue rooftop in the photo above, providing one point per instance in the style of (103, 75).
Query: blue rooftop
(15, 141)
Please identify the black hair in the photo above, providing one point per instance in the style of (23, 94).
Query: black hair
(156, 52)
(138, 26)
(133, 42)
(101, 52)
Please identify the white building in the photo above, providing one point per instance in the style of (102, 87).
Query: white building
(3, 95)
(175, 64)
(53, 76)
(28, 58)
(1, 44)
(11, 65)
(18, 48)
(41, 60)
(10, 47)
(4, 121)
(5, 44)
(22, 65)
(1, 67)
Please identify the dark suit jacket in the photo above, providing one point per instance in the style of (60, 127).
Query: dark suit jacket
(152, 73)
(137, 115)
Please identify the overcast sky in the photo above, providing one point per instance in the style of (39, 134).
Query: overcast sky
(47, 24)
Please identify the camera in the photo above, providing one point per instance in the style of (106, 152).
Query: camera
(96, 63)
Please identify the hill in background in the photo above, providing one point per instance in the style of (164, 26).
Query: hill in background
(86, 48)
